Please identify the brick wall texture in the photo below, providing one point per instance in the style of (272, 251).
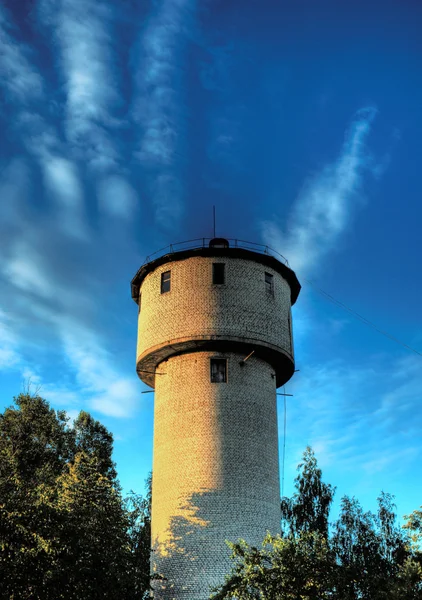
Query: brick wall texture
(215, 458)
(195, 307)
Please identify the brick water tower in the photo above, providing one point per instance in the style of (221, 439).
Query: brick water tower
(214, 341)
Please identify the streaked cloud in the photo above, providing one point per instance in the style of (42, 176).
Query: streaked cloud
(26, 271)
(357, 417)
(94, 115)
(50, 290)
(117, 197)
(83, 34)
(21, 81)
(325, 205)
(9, 343)
(106, 389)
(159, 107)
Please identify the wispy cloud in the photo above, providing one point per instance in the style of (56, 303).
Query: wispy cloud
(159, 107)
(106, 389)
(82, 31)
(358, 419)
(99, 383)
(9, 343)
(50, 294)
(325, 205)
(21, 81)
(24, 88)
(116, 196)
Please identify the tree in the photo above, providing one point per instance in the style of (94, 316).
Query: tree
(298, 564)
(370, 549)
(363, 556)
(286, 568)
(414, 527)
(139, 514)
(34, 447)
(65, 531)
(309, 508)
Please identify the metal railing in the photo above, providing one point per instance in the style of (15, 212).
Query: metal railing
(204, 243)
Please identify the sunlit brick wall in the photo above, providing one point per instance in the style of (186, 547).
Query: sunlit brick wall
(215, 469)
(195, 307)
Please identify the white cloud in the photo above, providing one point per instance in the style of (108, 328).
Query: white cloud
(14, 188)
(9, 343)
(104, 387)
(62, 179)
(159, 106)
(324, 206)
(21, 81)
(358, 418)
(85, 42)
(25, 270)
(83, 30)
(117, 197)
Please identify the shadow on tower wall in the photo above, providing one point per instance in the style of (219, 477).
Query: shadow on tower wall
(195, 557)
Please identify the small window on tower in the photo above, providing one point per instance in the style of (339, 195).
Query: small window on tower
(165, 282)
(218, 273)
(269, 283)
(218, 370)
(139, 303)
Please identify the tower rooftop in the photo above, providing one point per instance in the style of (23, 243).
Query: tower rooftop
(218, 247)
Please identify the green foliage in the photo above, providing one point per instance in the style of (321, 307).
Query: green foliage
(286, 568)
(65, 531)
(414, 526)
(309, 508)
(362, 556)
(139, 515)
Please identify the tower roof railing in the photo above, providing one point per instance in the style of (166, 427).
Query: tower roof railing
(205, 242)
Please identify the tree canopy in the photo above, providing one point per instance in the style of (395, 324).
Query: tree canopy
(361, 556)
(65, 530)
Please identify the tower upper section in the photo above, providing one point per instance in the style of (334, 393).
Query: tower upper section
(215, 297)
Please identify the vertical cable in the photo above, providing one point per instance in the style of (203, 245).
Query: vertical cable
(284, 442)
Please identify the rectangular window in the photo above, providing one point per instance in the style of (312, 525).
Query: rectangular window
(165, 282)
(139, 303)
(218, 370)
(218, 273)
(269, 283)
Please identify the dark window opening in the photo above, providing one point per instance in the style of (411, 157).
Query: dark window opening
(218, 273)
(139, 303)
(269, 283)
(165, 282)
(218, 370)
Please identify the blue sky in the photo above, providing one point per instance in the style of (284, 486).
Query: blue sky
(124, 122)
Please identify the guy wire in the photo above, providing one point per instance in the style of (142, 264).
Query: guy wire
(284, 441)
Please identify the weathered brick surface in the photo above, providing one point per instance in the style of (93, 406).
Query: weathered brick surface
(215, 469)
(215, 465)
(195, 307)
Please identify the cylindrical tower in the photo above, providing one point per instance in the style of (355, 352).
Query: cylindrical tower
(214, 340)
